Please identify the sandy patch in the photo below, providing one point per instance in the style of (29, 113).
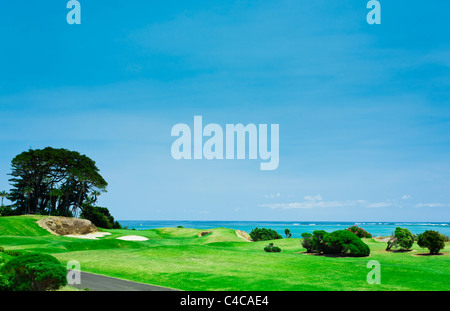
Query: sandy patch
(132, 238)
(203, 233)
(89, 236)
(382, 238)
(243, 235)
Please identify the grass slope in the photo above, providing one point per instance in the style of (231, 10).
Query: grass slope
(179, 258)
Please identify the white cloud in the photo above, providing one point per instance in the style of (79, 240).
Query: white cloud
(272, 196)
(431, 204)
(313, 198)
(307, 204)
(381, 204)
(310, 201)
(406, 197)
(318, 202)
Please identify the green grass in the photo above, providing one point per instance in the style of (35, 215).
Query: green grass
(179, 258)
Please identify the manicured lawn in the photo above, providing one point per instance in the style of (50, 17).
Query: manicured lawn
(179, 258)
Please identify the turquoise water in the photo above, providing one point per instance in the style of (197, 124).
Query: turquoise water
(296, 228)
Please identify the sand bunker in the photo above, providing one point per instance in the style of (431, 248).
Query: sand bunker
(132, 238)
(89, 236)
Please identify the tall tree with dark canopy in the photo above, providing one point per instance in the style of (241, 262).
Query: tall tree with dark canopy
(53, 181)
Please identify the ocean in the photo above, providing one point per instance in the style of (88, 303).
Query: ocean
(296, 228)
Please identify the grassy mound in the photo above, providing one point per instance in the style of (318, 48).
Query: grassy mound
(22, 226)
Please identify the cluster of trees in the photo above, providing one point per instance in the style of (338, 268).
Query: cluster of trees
(403, 239)
(342, 242)
(56, 182)
(348, 242)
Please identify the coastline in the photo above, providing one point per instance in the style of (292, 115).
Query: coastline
(377, 229)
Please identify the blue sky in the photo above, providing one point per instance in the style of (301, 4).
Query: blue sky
(364, 110)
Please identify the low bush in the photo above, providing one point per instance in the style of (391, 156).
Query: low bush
(314, 243)
(432, 240)
(272, 248)
(4, 257)
(318, 241)
(4, 283)
(8, 211)
(345, 242)
(263, 234)
(33, 272)
(14, 253)
(360, 232)
(307, 242)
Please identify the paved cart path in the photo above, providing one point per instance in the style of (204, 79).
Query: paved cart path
(97, 282)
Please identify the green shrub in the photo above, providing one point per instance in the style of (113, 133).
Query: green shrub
(345, 242)
(272, 248)
(358, 249)
(360, 232)
(4, 258)
(307, 242)
(264, 234)
(8, 211)
(432, 240)
(4, 283)
(47, 276)
(318, 241)
(33, 272)
(14, 253)
(99, 216)
(402, 238)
